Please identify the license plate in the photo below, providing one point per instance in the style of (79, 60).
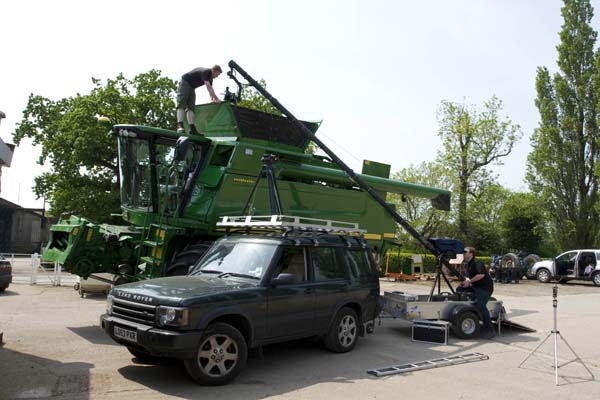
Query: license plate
(126, 334)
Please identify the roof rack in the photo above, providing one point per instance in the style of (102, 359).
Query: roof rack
(289, 223)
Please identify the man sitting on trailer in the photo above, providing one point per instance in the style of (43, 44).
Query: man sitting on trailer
(483, 287)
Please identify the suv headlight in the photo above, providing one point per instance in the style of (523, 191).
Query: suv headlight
(172, 316)
(109, 304)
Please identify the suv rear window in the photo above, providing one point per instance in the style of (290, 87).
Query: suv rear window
(326, 264)
(358, 264)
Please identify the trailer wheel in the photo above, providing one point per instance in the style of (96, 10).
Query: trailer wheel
(191, 253)
(466, 325)
(343, 334)
(543, 275)
(596, 278)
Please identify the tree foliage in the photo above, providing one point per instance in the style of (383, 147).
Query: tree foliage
(522, 223)
(418, 211)
(83, 156)
(483, 213)
(473, 139)
(563, 163)
(251, 98)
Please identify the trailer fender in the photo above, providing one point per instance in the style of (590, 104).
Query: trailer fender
(454, 312)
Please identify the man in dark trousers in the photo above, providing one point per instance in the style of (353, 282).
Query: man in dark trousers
(483, 287)
(186, 93)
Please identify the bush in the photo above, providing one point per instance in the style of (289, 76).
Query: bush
(403, 263)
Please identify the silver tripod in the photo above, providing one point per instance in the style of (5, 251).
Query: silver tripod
(556, 334)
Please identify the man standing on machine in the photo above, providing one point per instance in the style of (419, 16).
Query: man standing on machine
(483, 287)
(186, 95)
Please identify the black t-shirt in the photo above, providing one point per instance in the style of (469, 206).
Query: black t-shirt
(198, 76)
(476, 267)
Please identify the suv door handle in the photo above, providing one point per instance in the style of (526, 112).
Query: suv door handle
(309, 290)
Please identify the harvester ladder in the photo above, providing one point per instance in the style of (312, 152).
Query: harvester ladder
(429, 364)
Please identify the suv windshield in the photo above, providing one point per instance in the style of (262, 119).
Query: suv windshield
(245, 258)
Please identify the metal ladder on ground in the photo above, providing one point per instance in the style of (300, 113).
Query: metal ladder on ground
(438, 362)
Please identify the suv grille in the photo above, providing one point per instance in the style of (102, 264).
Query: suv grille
(136, 312)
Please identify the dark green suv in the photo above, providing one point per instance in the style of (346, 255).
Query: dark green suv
(247, 291)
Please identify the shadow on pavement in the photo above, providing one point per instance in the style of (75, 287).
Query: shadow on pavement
(36, 377)
(93, 334)
(7, 293)
(292, 366)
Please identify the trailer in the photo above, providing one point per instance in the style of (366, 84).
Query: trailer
(456, 308)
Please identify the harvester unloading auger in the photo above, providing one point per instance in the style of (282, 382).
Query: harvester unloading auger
(444, 202)
(175, 187)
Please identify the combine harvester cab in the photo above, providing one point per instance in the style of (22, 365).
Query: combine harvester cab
(174, 188)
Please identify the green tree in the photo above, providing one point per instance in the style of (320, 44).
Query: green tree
(418, 211)
(83, 156)
(522, 223)
(251, 98)
(562, 166)
(484, 212)
(473, 139)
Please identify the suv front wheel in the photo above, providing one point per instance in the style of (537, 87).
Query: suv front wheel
(343, 334)
(220, 357)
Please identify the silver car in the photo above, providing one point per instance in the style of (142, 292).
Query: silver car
(570, 265)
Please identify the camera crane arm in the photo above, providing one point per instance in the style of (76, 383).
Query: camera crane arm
(359, 181)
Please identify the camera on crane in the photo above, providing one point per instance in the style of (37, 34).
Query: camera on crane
(447, 247)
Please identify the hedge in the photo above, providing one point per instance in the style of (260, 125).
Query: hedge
(403, 262)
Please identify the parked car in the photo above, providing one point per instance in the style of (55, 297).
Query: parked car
(5, 273)
(248, 291)
(570, 265)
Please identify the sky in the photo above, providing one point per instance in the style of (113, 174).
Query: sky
(374, 72)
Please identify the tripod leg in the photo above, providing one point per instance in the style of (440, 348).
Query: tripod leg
(576, 355)
(536, 349)
(435, 282)
(556, 357)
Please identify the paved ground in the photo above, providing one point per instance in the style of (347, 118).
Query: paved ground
(55, 349)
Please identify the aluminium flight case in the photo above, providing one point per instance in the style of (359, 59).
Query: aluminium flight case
(430, 331)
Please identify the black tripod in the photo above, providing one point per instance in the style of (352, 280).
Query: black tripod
(266, 171)
(555, 333)
(438, 281)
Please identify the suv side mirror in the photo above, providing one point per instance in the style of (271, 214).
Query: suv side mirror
(283, 279)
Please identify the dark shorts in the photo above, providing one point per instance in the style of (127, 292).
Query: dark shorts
(186, 95)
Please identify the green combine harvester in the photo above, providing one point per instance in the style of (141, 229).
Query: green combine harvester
(175, 187)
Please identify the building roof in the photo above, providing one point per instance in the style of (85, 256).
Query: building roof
(6, 153)
(7, 204)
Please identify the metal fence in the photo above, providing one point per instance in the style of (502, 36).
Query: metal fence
(28, 268)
